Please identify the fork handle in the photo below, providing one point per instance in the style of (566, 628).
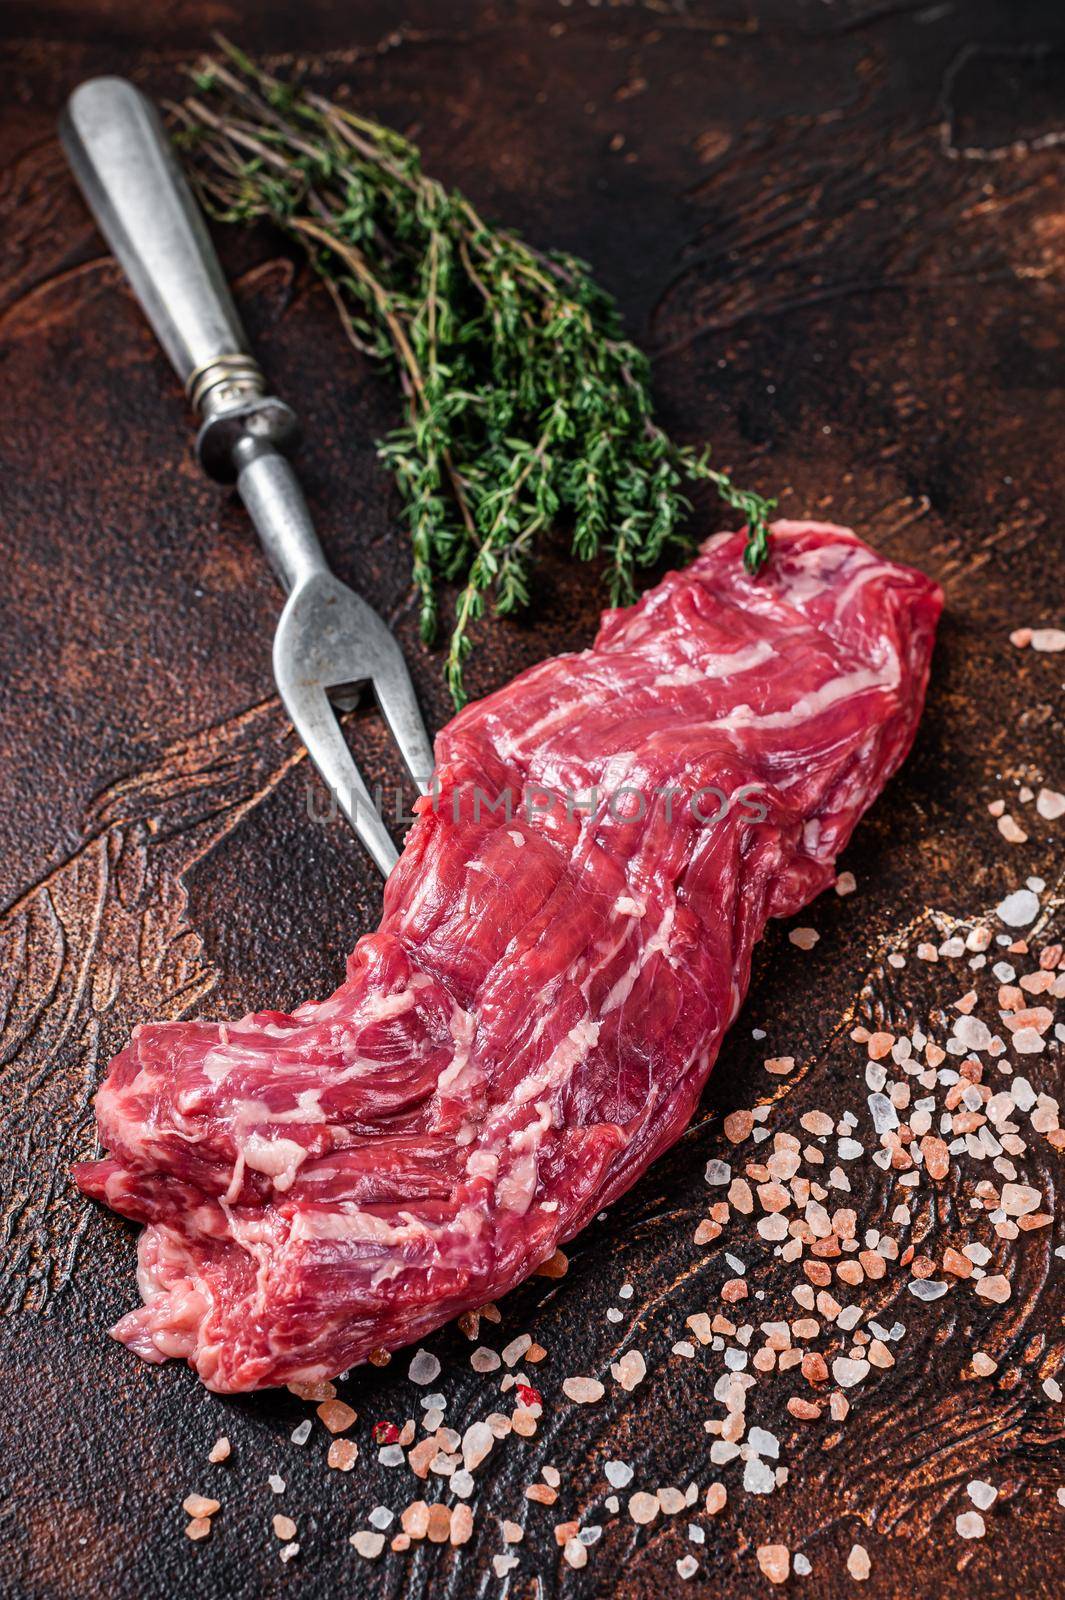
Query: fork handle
(127, 170)
(274, 500)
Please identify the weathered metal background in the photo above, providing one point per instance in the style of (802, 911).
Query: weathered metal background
(839, 227)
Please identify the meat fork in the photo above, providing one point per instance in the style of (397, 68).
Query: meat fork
(328, 639)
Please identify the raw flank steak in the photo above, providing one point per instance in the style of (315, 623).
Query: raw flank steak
(535, 1018)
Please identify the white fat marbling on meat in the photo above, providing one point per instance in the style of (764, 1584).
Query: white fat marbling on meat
(456, 1075)
(814, 704)
(515, 1191)
(218, 1064)
(657, 944)
(482, 1164)
(279, 1159)
(719, 666)
(570, 1050)
(255, 1114)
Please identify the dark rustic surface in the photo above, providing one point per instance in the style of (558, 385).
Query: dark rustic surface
(839, 227)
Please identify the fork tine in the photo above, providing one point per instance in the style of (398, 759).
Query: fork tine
(328, 638)
(395, 696)
(315, 721)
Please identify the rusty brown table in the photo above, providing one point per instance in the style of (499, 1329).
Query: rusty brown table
(838, 227)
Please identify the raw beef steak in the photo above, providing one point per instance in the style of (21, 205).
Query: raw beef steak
(535, 1018)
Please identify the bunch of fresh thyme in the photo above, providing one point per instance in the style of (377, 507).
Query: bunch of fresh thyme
(524, 404)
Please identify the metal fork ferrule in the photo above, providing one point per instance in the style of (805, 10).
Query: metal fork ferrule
(225, 381)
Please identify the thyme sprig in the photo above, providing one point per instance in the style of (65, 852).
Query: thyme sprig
(524, 404)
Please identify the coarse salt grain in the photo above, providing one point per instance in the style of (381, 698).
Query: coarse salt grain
(198, 1505)
(367, 1543)
(970, 1525)
(643, 1507)
(477, 1441)
(583, 1391)
(424, 1368)
(848, 1372)
(1018, 909)
(575, 1553)
(858, 1563)
(461, 1525)
(775, 1561)
(996, 1288)
(764, 1442)
(1050, 804)
(342, 1455)
(336, 1416)
(927, 1288)
(738, 1125)
(973, 1034)
(629, 1371)
(439, 1530)
(758, 1478)
(1018, 1199)
(513, 1352)
(414, 1519)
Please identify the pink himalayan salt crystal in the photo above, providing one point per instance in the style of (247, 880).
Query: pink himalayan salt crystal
(582, 1391)
(775, 1561)
(858, 1563)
